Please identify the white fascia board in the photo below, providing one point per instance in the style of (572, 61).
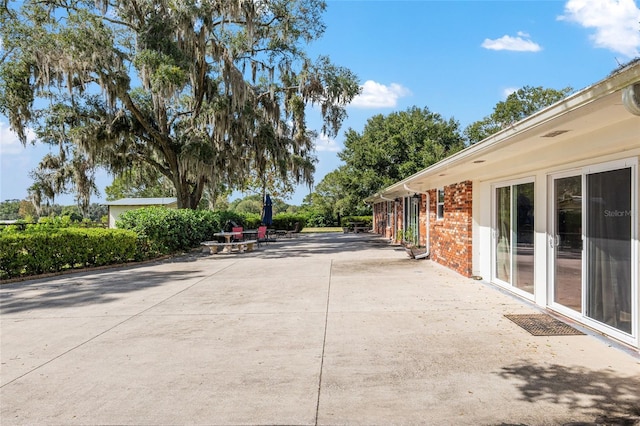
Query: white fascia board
(609, 85)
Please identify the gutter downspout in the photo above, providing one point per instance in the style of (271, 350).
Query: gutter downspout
(428, 239)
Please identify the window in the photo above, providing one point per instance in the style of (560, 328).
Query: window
(389, 213)
(440, 209)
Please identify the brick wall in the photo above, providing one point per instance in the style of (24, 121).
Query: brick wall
(379, 218)
(422, 220)
(451, 237)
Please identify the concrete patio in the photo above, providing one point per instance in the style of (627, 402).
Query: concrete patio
(325, 329)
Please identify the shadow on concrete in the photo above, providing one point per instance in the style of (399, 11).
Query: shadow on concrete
(80, 289)
(614, 399)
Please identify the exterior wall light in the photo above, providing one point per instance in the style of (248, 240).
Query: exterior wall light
(631, 98)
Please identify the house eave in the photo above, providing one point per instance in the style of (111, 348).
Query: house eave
(567, 111)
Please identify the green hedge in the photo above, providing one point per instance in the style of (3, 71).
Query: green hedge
(251, 220)
(39, 251)
(365, 220)
(164, 231)
(287, 221)
(144, 233)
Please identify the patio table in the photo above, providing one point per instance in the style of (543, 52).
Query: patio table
(227, 235)
(251, 234)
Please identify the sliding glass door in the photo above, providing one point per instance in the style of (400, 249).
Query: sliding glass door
(566, 242)
(514, 235)
(502, 234)
(591, 246)
(609, 213)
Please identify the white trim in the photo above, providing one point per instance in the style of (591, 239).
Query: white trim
(494, 279)
(510, 135)
(439, 203)
(427, 223)
(550, 237)
(632, 163)
(604, 167)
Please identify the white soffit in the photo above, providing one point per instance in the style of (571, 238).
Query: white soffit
(591, 122)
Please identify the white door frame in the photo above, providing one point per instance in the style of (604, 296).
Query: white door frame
(552, 242)
(494, 235)
(632, 163)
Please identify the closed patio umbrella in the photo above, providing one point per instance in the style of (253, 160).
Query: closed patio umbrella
(267, 211)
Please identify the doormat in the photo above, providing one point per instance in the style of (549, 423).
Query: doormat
(543, 325)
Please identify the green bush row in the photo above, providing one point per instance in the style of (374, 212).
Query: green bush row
(49, 223)
(365, 220)
(37, 251)
(144, 233)
(288, 221)
(164, 231)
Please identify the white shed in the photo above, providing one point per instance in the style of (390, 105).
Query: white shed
(117, 207)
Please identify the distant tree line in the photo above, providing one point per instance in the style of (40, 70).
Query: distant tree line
(24, 210)
(395, 146)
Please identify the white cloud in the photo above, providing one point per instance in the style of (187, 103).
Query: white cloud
(325, 144)
(521, 43)
(616, 23)
(376, 95)
(9, 142)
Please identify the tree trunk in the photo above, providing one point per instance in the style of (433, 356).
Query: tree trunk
(188, 194)
(183, 194)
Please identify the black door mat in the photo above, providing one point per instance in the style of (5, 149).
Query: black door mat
(543, 325)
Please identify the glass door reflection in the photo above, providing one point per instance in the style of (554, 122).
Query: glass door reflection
(514, 236)
(609, 249)
(567, 242)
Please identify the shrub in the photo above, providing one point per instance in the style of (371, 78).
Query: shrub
(366, 220)
(225, 217)
(163, 231)
(288, 221)
(38, 251)
(252, 220)
(319, 220)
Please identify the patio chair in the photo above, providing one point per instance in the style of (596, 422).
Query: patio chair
(296, 229)
(237, 229)
(262, 234)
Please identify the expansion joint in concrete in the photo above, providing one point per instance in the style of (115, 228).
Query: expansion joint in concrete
(324, 341)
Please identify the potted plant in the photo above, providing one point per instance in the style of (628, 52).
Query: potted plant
(409, 240)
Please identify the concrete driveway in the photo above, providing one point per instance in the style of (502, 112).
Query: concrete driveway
(322, 329)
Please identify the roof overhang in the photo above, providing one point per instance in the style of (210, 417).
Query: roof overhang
(143, 201)
(551, 136)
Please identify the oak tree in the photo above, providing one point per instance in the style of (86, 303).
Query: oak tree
(203, 92)
(389, 149)
(518, 105)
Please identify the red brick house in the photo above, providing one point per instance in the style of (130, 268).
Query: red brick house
(546, 208)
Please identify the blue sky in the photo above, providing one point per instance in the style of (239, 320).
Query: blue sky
(457, 58)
